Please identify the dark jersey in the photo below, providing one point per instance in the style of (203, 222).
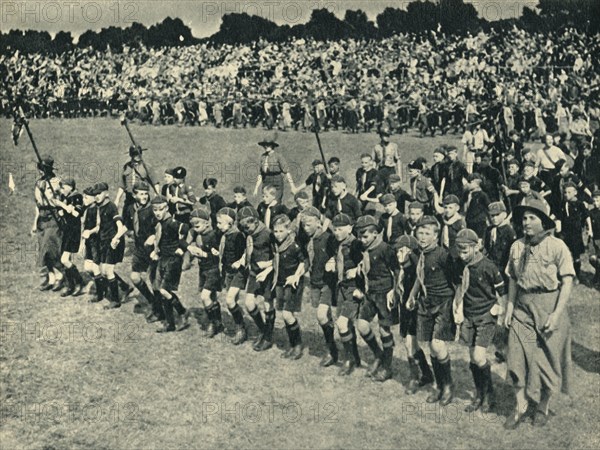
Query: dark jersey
(382, 265)
(109, 216)
(263, 249)
(485, 281)
(143, 221)
(323, 249)
(289, 260)
(206, 242)
(233, 250)
(172, 237)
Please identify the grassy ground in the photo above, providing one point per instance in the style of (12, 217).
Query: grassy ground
(74, 375)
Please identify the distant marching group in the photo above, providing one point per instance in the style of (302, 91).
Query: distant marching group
(462, 247)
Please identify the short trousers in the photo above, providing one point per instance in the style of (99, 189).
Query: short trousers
(321, 296)
(92, 251)
(109, 255)
(236, 279)
(209, 280)
(478, 331)
(375, 304)
(168, 273)
(288, 298)
(70, 242)
(263, 288)
(348, 304)
(140, 260)
(408, 321)
(436, 322)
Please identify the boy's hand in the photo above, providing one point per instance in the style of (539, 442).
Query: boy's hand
(214, 251)
(194, 251)
(292, 281)
(236, 265)
(154, 256)
(358, 294)
(351, 273)
(411, 302)
(391, 299)
(508, 315)
(263, 275)
(179, 252)
(150, 241)
(114, 243)
(330, 265)
(457, 312)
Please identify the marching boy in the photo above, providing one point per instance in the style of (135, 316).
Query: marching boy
(421, 375)
(72, 210)
(476, 205)
(89, 237)
(203, 243)
(232, 249)
(260, 252)
(240, 198)
(111, 245)
(574, 217)
(139, 214)
(479, 299)
(416, 212)
(341, 201)
(211, 200)
(379, 269)
(321, 251)
(392, 222)
(452, 221)
(289, 269)
(181, 196)
(270, 208)
(432, 294)
(169, 247)
(348, 257)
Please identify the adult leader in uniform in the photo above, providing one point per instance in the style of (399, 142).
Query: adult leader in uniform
(273, 167)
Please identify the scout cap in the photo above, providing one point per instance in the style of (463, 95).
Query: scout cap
(394, 178)
(338, 179)
(311, 211)
(342, 220)
(179, 172)
(301, 194)
(247, 211)
(69, 182)
(467, 237)
(226, 211)
(496, 208)
(100, 187)
(406, 241)
(451, 200)
(365, 221)
(209, 182)
(141, 186)
(427, 220)
(200, 213)
(417, 205)
(159, 200)
(386, 199)
(89, 191)
(474, 176)
(418, 165)
(317, 162)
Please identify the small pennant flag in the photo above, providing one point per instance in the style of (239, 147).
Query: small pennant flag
(11, 183)
(17, 131)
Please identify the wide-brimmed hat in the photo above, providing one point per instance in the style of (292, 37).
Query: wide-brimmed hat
(46, 162)
(269, 141)
(539, 207)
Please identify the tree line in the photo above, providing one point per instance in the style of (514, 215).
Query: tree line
(446, 16)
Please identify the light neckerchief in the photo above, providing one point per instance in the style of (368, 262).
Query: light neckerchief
(279, 249)
(136, 217)
(390, 221)
(232, 230)
(421, 268)
(464, 285)
(250, 242)
(446, 229)
(310, 248)
(365, 264)
(494, 231)
(339, 257)
(268, 213)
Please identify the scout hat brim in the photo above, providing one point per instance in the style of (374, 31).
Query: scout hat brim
(538, 210)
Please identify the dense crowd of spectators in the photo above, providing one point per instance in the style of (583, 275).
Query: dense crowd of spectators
(430, 81)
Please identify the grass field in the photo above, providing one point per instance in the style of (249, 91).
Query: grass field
(74, 375)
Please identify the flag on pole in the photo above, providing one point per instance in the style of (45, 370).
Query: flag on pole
(11, 183)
